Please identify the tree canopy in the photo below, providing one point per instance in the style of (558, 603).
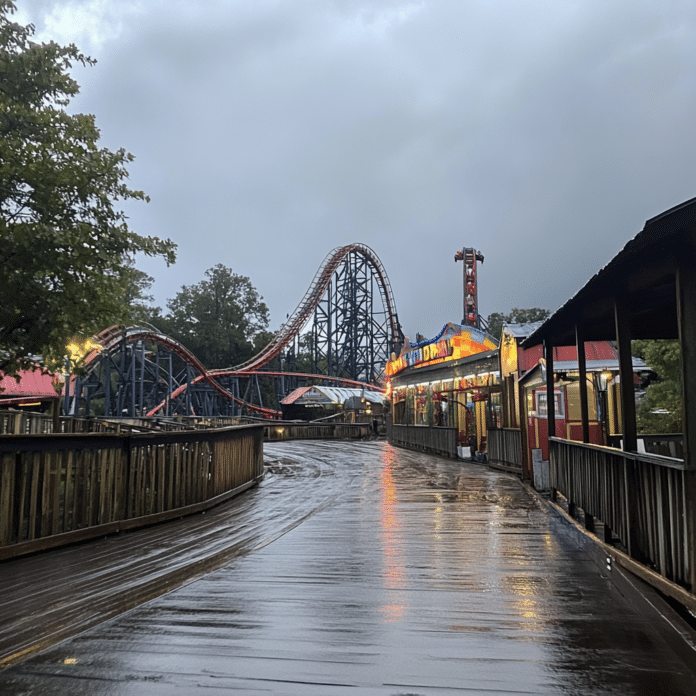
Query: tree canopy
(661, 409)
(496, 320)
(220, 320)
(66, 250)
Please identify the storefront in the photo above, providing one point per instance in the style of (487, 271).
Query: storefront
(525, 401)
(451, 382)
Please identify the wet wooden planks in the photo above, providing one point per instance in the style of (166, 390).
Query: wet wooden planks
(407, 575)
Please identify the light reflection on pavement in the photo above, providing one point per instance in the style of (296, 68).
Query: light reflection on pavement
(366, 569)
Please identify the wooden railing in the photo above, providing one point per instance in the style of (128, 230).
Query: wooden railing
(422, 437)
(640, 499)
(666, 445)
(61, 488)
(284, 430)
(335, 428)
(505, 447)
(27, 423)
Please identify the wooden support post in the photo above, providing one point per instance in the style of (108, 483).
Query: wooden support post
(607, 534)
(582, 367)
(628, 399)
(686, 317)
(550, 400)
(686, 313)
(628, 423)
(550, 396)
(56, 414)
(524, 432)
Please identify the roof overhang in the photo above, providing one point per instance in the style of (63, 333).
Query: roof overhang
(642, 275)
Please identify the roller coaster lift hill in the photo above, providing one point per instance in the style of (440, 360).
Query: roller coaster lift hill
(348, 311)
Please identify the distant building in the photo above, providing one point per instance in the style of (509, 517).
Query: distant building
(312, 403)
(34, 390)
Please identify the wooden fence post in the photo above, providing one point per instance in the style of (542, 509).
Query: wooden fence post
(686, 315)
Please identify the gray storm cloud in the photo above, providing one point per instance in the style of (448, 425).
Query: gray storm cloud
(268, 133)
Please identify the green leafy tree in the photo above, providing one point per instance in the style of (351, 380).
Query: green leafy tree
(661, 409)
(218, 319)
(496, 320)
(136, 286)
(64, 246)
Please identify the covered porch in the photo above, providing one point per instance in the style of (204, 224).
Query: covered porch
(643, 506)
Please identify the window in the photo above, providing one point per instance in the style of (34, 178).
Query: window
(559, 404)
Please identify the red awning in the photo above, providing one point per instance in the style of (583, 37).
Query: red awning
(293, 396)
(32, 385)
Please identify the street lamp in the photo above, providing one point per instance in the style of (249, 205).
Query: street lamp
(603, 379)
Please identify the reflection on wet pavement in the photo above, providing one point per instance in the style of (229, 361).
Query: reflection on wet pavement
(375, 570)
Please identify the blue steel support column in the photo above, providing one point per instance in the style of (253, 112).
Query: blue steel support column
(170, 386)
(66, 396)
(77, 397)
(141, 405)
(329, 332)
(156, 378)
(132, 383)
(106, 376)
(187, 400)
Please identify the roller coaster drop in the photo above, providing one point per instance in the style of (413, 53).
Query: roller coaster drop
(140, 372)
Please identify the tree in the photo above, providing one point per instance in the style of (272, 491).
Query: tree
(65, 249)
(661, 409)
(219, 319)
(496, 320)
(136, 286)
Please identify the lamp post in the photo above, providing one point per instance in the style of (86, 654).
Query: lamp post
(603, 379)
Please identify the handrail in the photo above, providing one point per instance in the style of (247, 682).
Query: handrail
(64, 487)
(638, 498)
(649, 458)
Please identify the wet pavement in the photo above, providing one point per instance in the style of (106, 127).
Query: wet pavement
(353, 568)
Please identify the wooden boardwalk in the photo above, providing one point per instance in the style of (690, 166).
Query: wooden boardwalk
(353, 568)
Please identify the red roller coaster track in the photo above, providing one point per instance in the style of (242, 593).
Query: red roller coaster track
(111, 337)
(308, 305)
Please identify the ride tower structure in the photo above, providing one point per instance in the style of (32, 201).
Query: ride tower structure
(355, 328)
(470, 257)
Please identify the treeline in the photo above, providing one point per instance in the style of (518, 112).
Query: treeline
(222, 319)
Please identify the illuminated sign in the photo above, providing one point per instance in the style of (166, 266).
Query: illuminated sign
(508, 355)
(461, 343)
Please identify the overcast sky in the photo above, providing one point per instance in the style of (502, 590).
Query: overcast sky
(269, 132)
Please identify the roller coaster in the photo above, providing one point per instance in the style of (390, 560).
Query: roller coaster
(347, 316)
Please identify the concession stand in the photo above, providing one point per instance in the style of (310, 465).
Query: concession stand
(445, 392)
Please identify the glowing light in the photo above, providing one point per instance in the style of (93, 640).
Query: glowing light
(78, 350)
(393, 571)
